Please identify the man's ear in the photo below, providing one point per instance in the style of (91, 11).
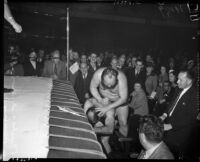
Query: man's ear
(142, 135)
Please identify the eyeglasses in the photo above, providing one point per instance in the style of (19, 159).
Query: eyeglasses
(55, 58)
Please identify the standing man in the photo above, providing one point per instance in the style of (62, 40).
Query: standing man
(136, 74)
(109, 90)
(82, 83)
(31, 67)
(180, 118)
(93, 63)
(55, 68)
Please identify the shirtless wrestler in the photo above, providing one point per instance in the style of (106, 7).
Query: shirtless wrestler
(109, 90)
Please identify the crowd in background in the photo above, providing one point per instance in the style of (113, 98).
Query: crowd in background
(156, 76)
(151, 79)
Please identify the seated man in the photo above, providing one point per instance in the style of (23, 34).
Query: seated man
(82, 83)
(54, 68)
(14, 68)
(151, 133)
(109, 89)
(164, 97)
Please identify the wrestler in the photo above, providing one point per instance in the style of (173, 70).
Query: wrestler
(109, 90)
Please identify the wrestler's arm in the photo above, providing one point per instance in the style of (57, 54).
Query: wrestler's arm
(96, 79)
(123, 92)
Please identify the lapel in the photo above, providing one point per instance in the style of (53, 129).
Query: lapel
(34, 69)
(182, 100)
(156, 151)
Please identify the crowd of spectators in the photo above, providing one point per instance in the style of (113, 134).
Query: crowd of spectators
(151, 79)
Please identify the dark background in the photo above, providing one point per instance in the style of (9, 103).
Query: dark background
(100, 34)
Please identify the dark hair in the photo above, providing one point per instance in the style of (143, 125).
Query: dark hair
(152, 127)
(140, 60)
(95, 118)
(166, 81)
(111, 71)
(150, 64)
(175, 74)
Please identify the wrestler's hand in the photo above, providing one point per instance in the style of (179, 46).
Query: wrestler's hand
(101, 110)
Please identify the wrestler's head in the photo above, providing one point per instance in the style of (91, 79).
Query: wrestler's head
(92, 115)
(109, 78)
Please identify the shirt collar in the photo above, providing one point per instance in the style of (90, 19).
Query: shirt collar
(151, 150)
(184, 90)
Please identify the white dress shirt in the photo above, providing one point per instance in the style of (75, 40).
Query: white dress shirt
(34, 64)
(84, 75)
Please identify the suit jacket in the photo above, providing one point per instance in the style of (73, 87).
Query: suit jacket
(29, 69)
(183, 121)
(48, 70)
(18, 70)
(82, 86)
(132, 79)
(91, 70)
(162, 152)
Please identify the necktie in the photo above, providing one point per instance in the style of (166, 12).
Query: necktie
(172, 106)
(55, 69)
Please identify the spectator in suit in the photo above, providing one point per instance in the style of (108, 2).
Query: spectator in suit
(99, 61)
(93, 63)
(14, 68)
(83, 58)
(31, 67)
(54, 68)
(180, 117)
(134, 75)
(82, 83)
(151, 131)
(163, 97)
(40, 58)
